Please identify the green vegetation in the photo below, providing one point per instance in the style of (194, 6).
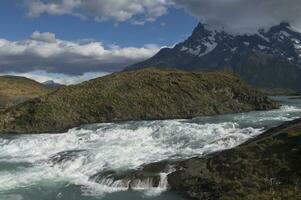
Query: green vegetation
(139, 95)
(267, 167)
(15, 90)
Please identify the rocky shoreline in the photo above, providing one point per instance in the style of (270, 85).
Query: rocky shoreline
(266, 167)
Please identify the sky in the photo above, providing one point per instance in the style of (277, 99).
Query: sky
(70, 41)
(49, 46)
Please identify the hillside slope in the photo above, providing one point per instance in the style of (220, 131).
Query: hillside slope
(253, 57)
(14, 90)
(140, 95)
(267, 167)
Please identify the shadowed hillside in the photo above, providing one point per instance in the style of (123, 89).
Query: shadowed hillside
(14, 90)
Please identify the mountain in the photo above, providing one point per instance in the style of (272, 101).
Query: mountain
(137, 95)
(267, 59)
(267, 167)
(52, 84)
(14, 90)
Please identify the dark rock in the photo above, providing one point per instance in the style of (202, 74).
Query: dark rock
(147, 176)
(66, 156)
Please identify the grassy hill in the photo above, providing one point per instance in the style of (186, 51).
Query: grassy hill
(138, 95)
(14, 90)
(267, 167)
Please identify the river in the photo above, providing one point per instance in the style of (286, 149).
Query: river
(60, 166)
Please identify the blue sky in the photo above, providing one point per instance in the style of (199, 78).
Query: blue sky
(62, 46)
(165, 31)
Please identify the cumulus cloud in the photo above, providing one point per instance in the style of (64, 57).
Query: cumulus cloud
(244, 15)
(233, 15)
(45, 52)
(44, 37)
(136, 11)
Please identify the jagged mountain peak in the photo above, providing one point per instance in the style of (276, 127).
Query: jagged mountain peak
(214, 48)
(203, 28)
(205, 41)
(280, 27)
(280, 40)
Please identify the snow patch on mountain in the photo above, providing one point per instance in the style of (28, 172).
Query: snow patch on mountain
(263, 37)
(278, 41)
(261, 47)
(195, 52)
(284, 33)
(212, 47)
(209, 47)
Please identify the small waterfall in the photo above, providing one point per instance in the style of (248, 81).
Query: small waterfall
(163, 181)
(144, 182)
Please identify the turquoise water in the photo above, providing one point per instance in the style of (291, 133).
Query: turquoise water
(28, 170)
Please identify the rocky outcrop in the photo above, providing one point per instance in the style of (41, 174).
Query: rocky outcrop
(146, 177)
(138, 95)
(267, 167)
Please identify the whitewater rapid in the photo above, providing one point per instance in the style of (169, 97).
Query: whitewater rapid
(27, 161)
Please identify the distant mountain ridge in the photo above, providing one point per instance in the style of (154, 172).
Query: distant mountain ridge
(52, 84)
(267, 59)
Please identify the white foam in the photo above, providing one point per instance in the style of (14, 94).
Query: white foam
(113, 147)
(122, 147)
(11, 197)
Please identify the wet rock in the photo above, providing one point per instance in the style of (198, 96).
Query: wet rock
(67, 156)
(148, 176)
(128, 179)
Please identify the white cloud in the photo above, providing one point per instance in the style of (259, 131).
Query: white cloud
(44, 37)
(242, 16)
(232, 15)
(42, 76)
(45, 52)
(136, 11)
